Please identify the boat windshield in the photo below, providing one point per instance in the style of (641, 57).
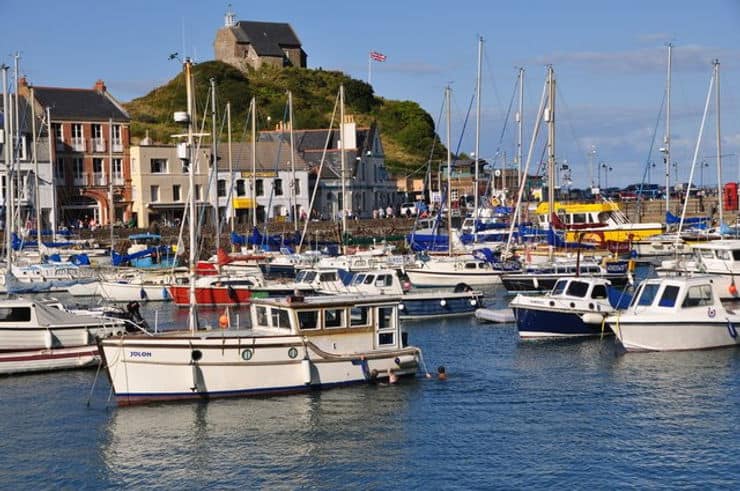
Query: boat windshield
(305, 276)
(647, 296)
(559, 287)
(577, 289)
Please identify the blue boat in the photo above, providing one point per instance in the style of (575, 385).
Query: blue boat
(575, 307)
(146, 251)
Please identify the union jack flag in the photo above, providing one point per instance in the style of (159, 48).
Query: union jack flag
(377, 56)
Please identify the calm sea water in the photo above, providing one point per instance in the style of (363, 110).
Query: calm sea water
(574, 414)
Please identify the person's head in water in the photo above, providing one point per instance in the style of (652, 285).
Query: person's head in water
(441, 373)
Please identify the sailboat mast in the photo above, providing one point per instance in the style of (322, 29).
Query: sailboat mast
(192, 321)
(342, 173)
(550, 119)
(36, 194)
(111, 206)
(214, 164)
(477, 140)
(52, 164)
(720, 204)
(667, 138)
(6, 156)
(230, 206)
(519, 134)
(293, 204)
(449, 172)
(253, 105)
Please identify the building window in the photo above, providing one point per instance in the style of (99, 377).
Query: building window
(98, 174)
(240, 188)
(118, 172)
(176, 192)
(78, 171)
(59, 169)
(198, 194)
(58, 135)
(117, 142)
(78, 137)
(297, 187)
(154, 194)
(221, 187)
(97, 138)
(158, 166)
(278, 187)
(260, 185)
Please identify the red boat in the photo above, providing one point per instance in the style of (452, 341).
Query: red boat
(219, 290)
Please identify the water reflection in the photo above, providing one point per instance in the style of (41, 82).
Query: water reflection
(282, 441)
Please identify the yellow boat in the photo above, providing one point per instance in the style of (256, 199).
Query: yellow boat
(608, 222)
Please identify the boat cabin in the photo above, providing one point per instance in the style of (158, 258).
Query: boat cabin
(319, 279)
(381, 281)
(578, 213)
(581, 288)
(345, 323)
(676, 294)
(721, 256)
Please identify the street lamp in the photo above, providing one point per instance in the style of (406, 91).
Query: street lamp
(607, 169)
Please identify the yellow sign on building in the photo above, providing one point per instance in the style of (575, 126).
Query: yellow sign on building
(243, 203)
(263, 173)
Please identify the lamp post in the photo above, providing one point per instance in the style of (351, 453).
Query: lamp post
(704, 164)
(607, 169)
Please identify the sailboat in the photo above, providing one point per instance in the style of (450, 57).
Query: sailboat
(294, 344)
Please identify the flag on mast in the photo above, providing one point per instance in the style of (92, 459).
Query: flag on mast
(376, 56)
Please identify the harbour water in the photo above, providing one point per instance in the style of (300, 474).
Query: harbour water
(512, 414)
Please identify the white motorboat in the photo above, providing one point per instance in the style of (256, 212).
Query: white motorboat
(679, 313)
(719, 259)
(37, 337)
(450, 271)
(295, 344)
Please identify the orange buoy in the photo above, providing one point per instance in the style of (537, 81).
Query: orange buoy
(732, 289)
(223, 321)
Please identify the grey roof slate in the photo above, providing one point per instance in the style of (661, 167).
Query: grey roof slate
(79, 104)
(267, 38)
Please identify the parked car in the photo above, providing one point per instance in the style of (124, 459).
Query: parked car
(408, 210)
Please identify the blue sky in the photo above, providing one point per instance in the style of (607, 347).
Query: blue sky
(609, 60)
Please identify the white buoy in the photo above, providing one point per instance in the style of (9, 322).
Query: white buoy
(443, 302)
(306, 368)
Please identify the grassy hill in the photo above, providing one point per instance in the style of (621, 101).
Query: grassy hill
(406, 129)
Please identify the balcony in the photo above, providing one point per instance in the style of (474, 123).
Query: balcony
(78, 145)
(117, 180)
(117, 146)
(98, 179)
(98, 145)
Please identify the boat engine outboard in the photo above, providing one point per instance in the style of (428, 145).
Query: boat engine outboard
(134, 315)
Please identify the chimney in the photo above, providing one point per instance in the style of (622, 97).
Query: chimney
(100, 86)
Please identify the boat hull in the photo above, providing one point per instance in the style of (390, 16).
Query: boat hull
(29, 361)
(674, 336)
(534, 322)
(444, 305)
(429, 278)
(545, 282)
(176, 368)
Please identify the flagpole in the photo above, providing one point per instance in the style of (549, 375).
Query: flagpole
(369, 69)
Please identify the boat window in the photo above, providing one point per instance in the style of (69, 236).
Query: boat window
(707, 253)
(724, 255)
(262, 317)
(330, 276)
(359, 316)
(579, 218)
(736, 255)
(471, 265)
(577, 289)
(648, 294)
(384, 280)
(334, 318)
(386, 327)
(604, 216)
(15, 314)
(310, 276)
(299, 277)
(358, 279)
(559, 287)
(280, 318)
(698, 296)
(637, 296)
(308, 319)
(369, 279)
(599, 292)
(237, 283)
(670, 293)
